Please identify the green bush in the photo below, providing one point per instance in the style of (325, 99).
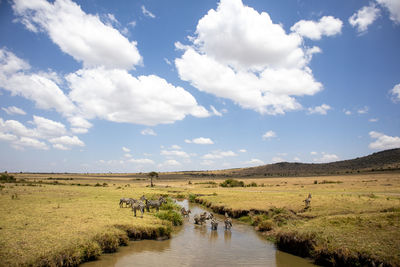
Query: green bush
(192, 197)
(245, 219)
(170, 205)
(232, 183)
(180, 196)
(170, 215)
(6, 178)
(265, 225)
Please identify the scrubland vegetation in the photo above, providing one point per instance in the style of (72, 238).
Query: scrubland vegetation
(352, 220)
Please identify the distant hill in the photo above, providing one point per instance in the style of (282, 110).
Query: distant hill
(380, 161)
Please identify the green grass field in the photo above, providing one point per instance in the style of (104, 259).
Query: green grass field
(65, 222)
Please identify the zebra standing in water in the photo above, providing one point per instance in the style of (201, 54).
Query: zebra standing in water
(228, 222)
(184, 212)
(214, 224)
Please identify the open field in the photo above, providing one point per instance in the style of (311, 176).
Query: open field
(352, 219)
(64, 225)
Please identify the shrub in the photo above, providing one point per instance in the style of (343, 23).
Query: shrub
(265, 225)
(180, 196)
(170, 205)
(245, 219)
(170, 215)
(252, 184)
(6, 178)
(192, 197)
(232, 183)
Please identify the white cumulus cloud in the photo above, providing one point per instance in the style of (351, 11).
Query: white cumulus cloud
(254, 162)
(148, 131)
(42, 90)
(325, 158)
(395, 92)
(171, 163)
(81, 35)
(125, 149)
(394, 9)
(322, 110)
(364, 17)
(175, 153)
(383, 141)
(14, 110)
(200, 141)
(48, 128)
(117, 96)
(67, 141)
(327, 25)
(240, 54)
(268, 135)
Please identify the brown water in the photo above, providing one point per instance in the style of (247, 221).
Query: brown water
(195, 245)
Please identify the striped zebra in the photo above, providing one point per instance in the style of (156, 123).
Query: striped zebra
(155, 203)
(138, 205)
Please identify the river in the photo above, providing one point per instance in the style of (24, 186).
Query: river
(195, 245)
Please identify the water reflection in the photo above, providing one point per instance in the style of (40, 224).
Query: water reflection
(227, 237)
(213, 236)
(198, 245)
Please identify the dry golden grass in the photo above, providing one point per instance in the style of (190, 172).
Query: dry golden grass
(43, 221)
(357, 213)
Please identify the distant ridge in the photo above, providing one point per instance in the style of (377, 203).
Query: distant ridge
(380, 161)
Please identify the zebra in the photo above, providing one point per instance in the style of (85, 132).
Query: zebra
(200, 219)
(185, 213)
(307, 201)
(155, 203)
(138, 205)
(214, 224)
(228, 222)
(125, 200)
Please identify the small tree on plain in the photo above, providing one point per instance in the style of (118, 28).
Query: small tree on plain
(152, 174)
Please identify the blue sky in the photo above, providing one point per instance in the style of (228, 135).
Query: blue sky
(138, 86)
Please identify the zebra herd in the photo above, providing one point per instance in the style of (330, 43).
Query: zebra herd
(203, 217)
(142, 204)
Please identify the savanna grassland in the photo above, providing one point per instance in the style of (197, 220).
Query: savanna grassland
(352, 220)
(50, 222)
(65, 219)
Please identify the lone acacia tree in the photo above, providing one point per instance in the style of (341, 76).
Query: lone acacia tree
(152, 174)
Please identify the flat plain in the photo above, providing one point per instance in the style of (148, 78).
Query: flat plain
(65, 219)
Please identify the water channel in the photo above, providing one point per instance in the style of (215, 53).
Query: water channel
(195, 245)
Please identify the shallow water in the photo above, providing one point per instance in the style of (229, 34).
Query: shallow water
(195, 245)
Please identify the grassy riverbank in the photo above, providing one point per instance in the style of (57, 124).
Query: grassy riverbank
(67, 224)
(353, 220)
